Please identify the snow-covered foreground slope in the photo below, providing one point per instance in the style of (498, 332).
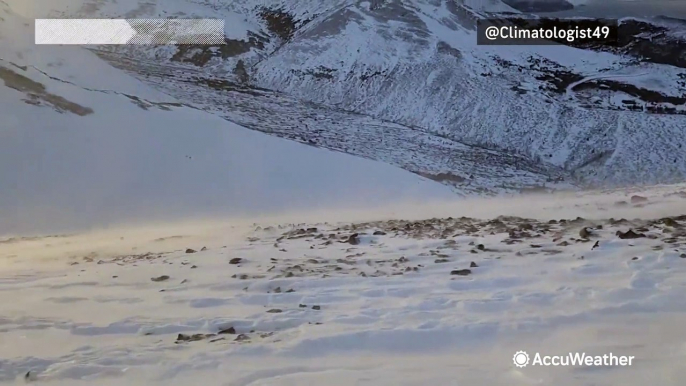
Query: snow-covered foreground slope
(444, 301)
(84, 144)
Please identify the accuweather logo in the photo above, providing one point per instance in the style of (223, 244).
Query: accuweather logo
(521, 359)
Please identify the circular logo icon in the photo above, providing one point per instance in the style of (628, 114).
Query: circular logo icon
(520, 359)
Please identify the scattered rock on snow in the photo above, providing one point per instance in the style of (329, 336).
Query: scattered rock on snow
(526, 227)
(638, 199)
(229, 330)
(160, 278)
(670, 222)
(190, 250)
(621, 221)
(473, 265)
(354, 239)
(192, 338)
(630, 234)
(461, 272)
(235, 260)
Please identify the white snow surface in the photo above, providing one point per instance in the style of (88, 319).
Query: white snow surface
(82, 309)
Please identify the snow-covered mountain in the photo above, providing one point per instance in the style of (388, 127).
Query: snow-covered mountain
(82, 144)
(405, 83)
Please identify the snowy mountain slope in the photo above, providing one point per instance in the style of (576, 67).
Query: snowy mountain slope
(583, 109)
(441, 301)
(475, 170)
(471, 169)
(84, 145)
(448, 85)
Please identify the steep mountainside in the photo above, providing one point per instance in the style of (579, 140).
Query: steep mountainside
(583, 113)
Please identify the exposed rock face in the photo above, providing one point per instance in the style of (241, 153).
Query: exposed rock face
(36, 93)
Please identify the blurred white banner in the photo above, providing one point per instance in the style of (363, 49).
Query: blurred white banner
(130, 31)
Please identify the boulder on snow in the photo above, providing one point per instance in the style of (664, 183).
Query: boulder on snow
(353, 239)
(638, 199)
(630, 234)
